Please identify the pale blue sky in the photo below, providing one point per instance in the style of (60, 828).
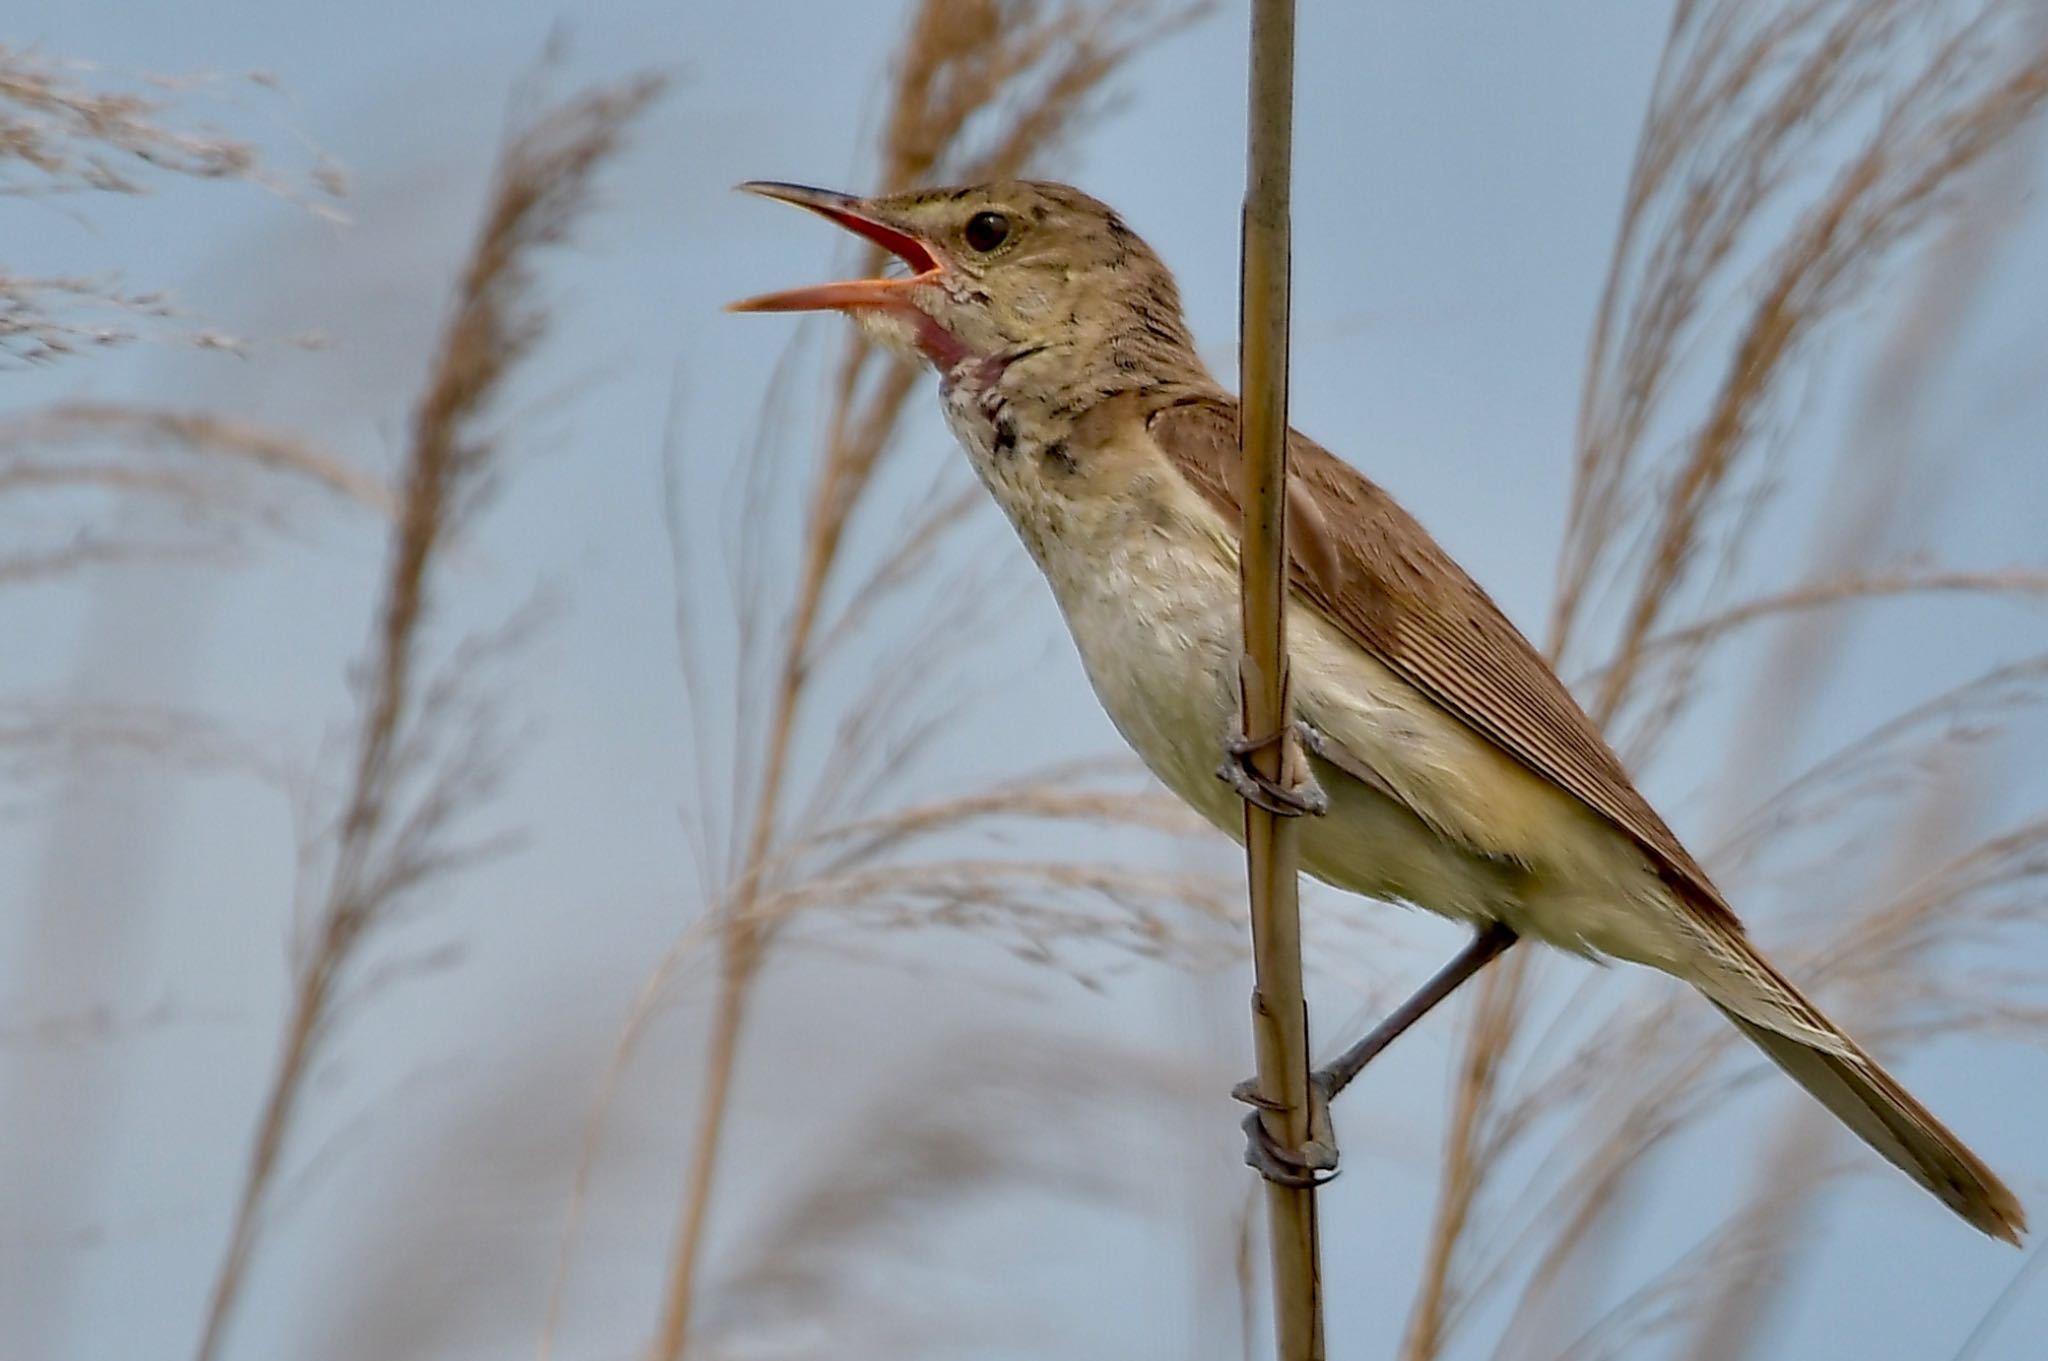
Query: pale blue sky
(1458, 177)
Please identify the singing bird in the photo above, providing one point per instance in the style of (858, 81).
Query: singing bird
(1449, 767)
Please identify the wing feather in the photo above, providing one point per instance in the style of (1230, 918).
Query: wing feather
(1375, 572)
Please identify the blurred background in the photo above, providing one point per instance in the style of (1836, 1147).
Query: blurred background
(538, 817)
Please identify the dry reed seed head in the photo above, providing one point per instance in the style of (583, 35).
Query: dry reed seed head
(1022, 70)
(204, 434)
(47, 318)
(1768, 88)
(905, 1160)
(133, 453)
(958, 75)
(1748, 98)
(412, 780)
(60, 135)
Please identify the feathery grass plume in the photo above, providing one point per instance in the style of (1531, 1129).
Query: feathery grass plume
(59, 135)
(980, 89)
(62, 136)
(1653, 1070)
(204, 434)
(883, 872)
(43, 738)
(1748, 94)
(1728, 1303)
(47, 317)
(69, 464)
(808, 1269)
(1876, 479)
(1674, 465)
(421, 757)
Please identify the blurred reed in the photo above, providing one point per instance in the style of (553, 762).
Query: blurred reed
(421, 762)
(1792, 158)
(980, 89)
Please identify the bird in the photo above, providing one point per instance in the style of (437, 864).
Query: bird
(1444, 764)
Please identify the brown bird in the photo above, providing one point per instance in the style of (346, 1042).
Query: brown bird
(1450, 768)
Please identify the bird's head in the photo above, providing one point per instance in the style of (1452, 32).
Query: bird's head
(1003, 271)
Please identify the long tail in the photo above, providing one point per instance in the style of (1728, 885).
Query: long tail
(1815, 1053)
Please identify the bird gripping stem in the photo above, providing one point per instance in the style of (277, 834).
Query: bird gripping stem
(1272, 843)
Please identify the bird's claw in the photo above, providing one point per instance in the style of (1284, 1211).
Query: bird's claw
(1305, 798)
(1314, 1163)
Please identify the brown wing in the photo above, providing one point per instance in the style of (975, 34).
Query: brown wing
(1365, 562)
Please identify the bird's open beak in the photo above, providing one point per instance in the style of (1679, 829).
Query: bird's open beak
(856, 216)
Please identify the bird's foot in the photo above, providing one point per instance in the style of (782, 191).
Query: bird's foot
(1314, 1163)
(1302, 798)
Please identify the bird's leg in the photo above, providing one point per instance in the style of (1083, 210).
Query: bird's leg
(1317, 1161)
(1491, 942)
(1303, 797)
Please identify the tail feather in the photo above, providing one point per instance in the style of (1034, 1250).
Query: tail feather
(1868, 1100)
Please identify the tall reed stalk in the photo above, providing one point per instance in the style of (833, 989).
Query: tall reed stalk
(1032, 68)
(392, 834)
(1272, 843)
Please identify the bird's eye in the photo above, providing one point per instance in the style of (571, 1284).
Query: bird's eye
(986, 231)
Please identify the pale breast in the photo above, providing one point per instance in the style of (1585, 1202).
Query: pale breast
(1153, 620)
(1157, 633)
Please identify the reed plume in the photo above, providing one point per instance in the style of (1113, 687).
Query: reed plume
(411, 780)
(1724, 215)
(62, 136)
(980, 90)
